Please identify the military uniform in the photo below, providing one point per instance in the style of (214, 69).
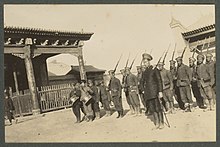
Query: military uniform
(139, 77)
(184, 78)
(176, 92)
(167, 82)
(194, 84)
(205, 83)
(151, 85)
(104, 97)
(115, 88)
(132, 85)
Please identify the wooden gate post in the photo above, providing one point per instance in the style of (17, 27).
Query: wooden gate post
(17, 90)
(81, 65)
(30, 76)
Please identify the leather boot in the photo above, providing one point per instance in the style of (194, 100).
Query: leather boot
(138, 110)
(211, 105)
(131, 109)
(156, 120)
(119, 114)
(167, 105)
(122, 113)
(97, 115)
(206, 104)
(161, 120)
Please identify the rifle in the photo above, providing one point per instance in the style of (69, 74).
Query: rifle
(185, 49)
(133, 61)
(174, 51)
(166, 54)
(117, 64)
(127, 61)
(159, 60)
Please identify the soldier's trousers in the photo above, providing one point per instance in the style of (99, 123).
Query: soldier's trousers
(117, 100)
(128, 98)
(197, 94)
(177, 96)
(88, 109)
(76, 109)
(185, 94)
(142, 99)
(106, 105)
(135, 102)
(167, 95)
(95, 106)
(206, 93)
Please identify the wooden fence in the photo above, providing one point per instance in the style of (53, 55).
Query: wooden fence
(54, 97)
(50, 98)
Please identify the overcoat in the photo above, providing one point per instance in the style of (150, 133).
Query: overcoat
(151, 83)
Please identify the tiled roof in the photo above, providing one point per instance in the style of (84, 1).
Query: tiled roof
(44, 32)
(88, 68)
(206, 28)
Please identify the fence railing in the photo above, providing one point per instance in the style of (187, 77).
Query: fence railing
(50, 98)
(54, 97)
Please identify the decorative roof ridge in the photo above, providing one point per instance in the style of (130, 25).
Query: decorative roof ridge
(204, 28)
(44, 30)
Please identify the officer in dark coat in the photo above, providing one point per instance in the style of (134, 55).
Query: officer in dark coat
(184, 78)
(205, 82)
(194, 84)
(115, 89)
(9, 106)
(176, 91)
(151, 86)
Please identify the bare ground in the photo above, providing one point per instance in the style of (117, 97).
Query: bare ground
(59, 126)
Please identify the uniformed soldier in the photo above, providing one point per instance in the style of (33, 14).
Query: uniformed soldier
(115, 88)
(212, 67)
(176, 92)
(104, 97)
(139, 76)
(167, 81)
(184, 78)
(194, 84)
(124, 86)
(205, 82)
(151, 86)
(131, 82)
(95, 98)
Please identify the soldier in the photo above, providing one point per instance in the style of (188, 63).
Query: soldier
(104, 97)
(205, 82)
(167, 81)
(184, 78)
(194, 84)
(95, 99)
(139, 76)
(176, 92)
(116, 91)
(131, 82)
(212, 68)
(151, 86)
(126, 90)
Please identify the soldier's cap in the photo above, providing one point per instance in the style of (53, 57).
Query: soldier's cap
(147, 56)
(138, 67)
(89, 81)
(200, 56)
(83, 81)
(161, 63)
(172, 61)
(192, 59)
(209, 55)
(111, 71)
(127, 68)
(179, 58)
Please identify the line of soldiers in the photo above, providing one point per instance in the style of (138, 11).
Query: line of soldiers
(156, 86)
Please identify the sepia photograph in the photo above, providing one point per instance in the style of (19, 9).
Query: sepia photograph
(79, 73)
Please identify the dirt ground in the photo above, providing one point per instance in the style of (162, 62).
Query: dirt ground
(59, 126)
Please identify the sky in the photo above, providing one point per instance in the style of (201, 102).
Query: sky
(118, 29)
